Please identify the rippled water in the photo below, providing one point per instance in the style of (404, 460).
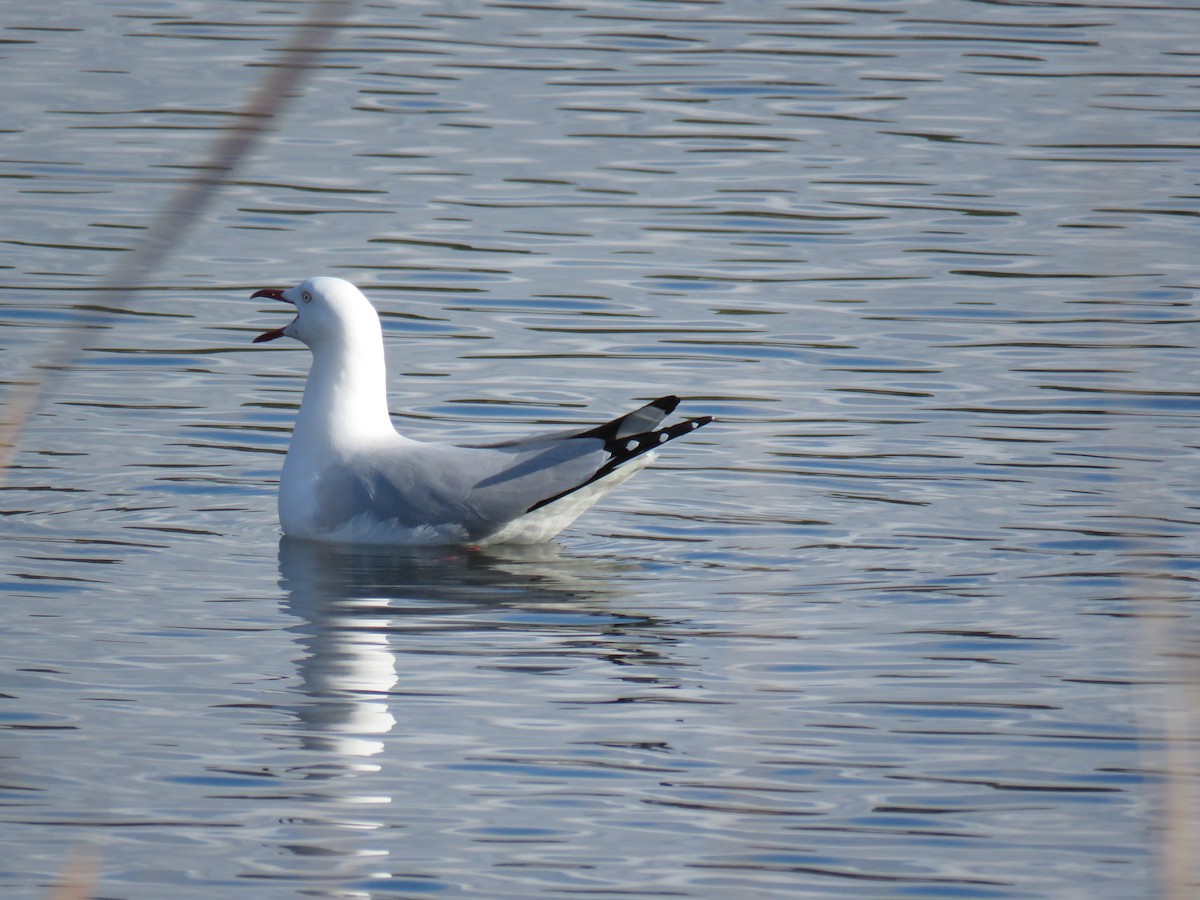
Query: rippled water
(905, 623)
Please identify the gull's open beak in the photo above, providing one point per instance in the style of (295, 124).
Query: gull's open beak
(274, 294)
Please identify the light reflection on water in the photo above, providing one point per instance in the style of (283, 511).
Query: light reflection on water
(896, 626)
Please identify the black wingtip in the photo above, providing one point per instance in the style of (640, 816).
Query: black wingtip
(624, 447)
(687, 426)
(667, 404)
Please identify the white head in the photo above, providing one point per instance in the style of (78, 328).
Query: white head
(330, 312)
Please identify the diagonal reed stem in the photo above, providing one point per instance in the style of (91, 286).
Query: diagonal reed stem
(180, 215)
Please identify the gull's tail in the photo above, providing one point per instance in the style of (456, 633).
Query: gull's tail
(632, 435)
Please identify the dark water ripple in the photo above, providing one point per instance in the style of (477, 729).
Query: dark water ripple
(909, 621)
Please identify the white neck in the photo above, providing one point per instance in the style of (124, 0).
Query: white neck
(345, 399)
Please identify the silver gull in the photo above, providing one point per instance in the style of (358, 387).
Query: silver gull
(350, 477)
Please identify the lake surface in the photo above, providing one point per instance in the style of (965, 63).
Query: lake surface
(916, 618)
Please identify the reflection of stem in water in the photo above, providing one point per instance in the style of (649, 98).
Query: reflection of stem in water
(1177, 675)
(173, 222)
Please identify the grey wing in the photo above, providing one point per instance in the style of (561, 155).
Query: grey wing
(470, 492)
(480, 488)
(608, 447)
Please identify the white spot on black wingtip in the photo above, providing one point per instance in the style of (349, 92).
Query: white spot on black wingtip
(622, 445)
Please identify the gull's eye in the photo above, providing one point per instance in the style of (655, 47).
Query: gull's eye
(307, 297)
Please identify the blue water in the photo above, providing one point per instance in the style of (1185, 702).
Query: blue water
(915, 618)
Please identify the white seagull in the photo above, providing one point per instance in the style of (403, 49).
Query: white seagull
(349, 477)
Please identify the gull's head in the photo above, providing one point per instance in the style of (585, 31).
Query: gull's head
(329, 311)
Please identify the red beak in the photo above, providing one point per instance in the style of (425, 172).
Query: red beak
(274, 294)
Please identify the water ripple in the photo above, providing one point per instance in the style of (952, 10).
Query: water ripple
(908, 620)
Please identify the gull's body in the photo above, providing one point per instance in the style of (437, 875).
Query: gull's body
(349, 477)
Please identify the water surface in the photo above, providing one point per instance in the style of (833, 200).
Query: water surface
(907, 622)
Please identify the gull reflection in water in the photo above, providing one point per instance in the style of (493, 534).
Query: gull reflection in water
(347, 668)
(347, 601)
(350, 604)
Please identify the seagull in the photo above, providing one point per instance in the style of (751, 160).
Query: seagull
(351, 478)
